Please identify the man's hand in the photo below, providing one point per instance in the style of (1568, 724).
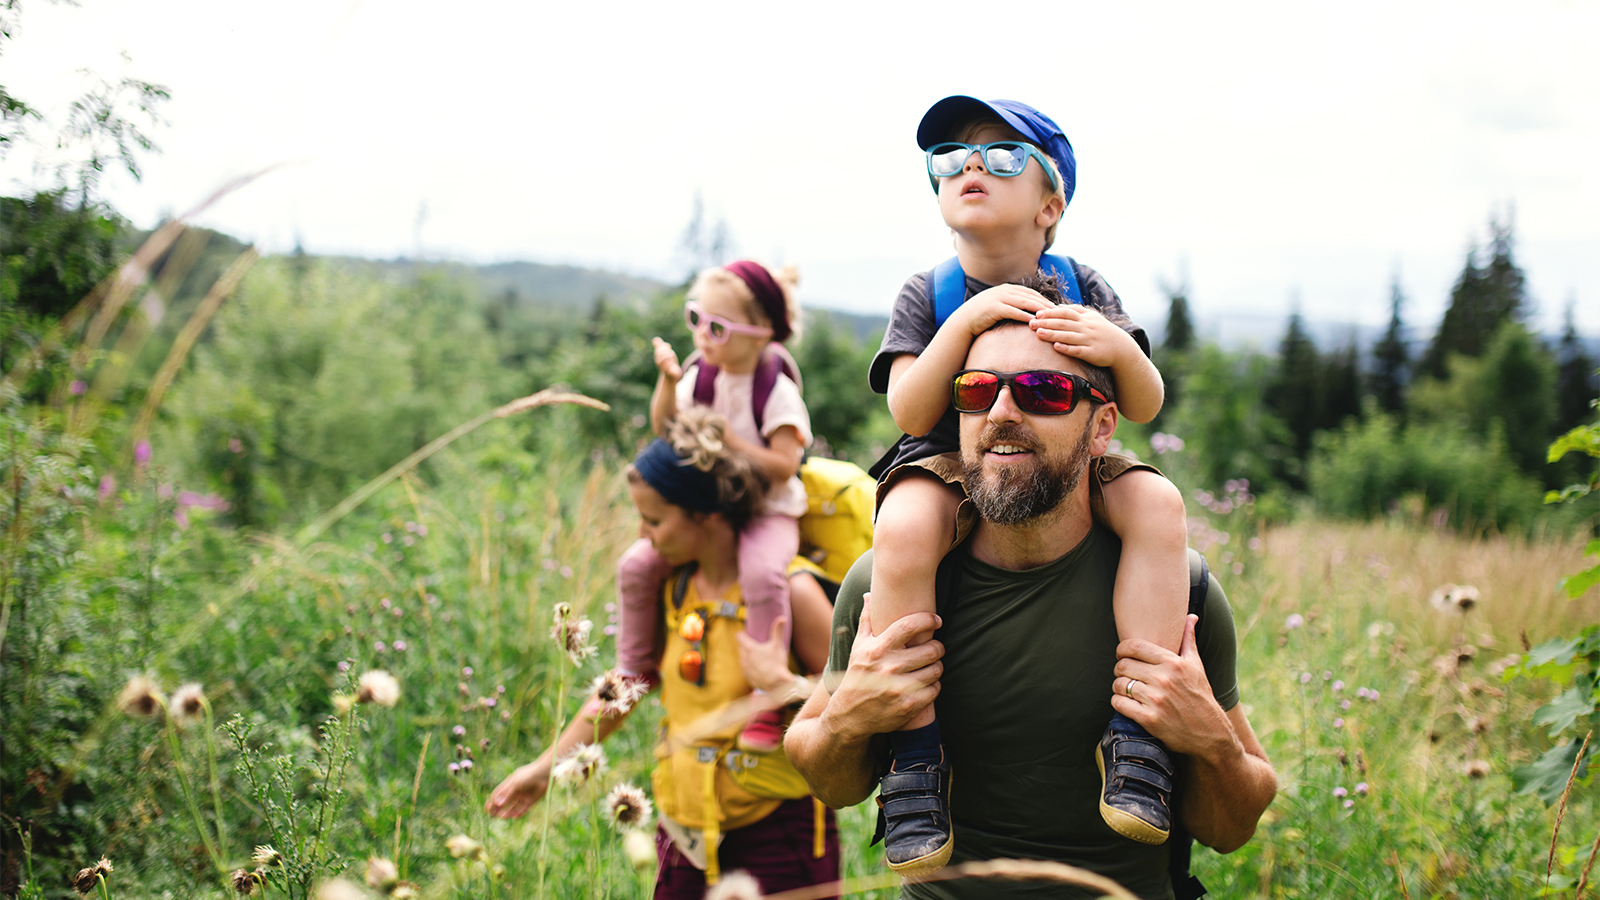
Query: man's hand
(1083, 333)
(887, 683)
(667, 360)
(1003, 301)
(1171, 696)
(520, 791)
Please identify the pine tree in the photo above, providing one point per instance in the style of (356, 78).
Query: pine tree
(1180, 329)
(1294, 394)
(1390, 357)
(1339, 390)
(1483, 299)
(1575, 379)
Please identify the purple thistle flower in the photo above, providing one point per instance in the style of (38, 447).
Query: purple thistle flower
(1338, 723)
(1349, 803)
(459, 731)
(141, 453)
(1340, 792)
(379, 646)
(400, 646)
(1361, 788)
(108, 486)
(77, 387)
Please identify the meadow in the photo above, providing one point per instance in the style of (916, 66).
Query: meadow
(198, 587)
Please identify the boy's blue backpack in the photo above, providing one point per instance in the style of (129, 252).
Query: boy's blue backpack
(948, 288)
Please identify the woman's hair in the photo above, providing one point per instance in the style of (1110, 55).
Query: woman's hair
(787, 277)
(965, 133)
(697, 436)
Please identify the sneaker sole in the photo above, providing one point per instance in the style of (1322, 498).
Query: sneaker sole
(930, 862)
(1126, 824)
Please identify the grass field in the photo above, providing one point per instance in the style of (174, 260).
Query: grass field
(1391, 730)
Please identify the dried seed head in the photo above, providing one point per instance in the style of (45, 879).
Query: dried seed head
(103, 867)
(584, 762)
(561, 613)
(618, 693)
(266, 856)
(83, 882)
(405, 890)
(141, 697)
(1477, 768)
(1481, 724)
(740, 885)
(340, 889)
(244, 883)
(382, 874)
(378, 686)
(463, 847)
(640, 849)
(188, 702)
(1455, 599)
(573, 638)
(627, 806)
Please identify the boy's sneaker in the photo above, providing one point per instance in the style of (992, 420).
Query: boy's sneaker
(763, 733)
(914, 818)
(1135, 782)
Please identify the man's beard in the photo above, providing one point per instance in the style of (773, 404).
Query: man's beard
(1019, 494)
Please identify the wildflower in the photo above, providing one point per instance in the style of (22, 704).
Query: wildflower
(1349, 803)
(405, 890)
(1454, 598)
(267, 857)
(1340, 792)
(235, 445)
(141, 454)
(466, 764)
(583, 763)
(1294, 621)
(1477, 768)
(83, 882)
(459, 731)
(1372, 696)
(640, 850)
(141, 697)
(573, 637)
(1481, 724)
(627, 806)
(340, 889)
(188, 702)
(463, 847)
(618, 692)
(1361, 788)
(399, 646)
(455, 768)
(378, 686)
(1305, 677)
(244, 883)
(379, 646)
(561, 612)
(344, 665)
(1344, 705)
(1338, 723)
(108, 486)
(466, 671)
(1361, 692)
(740, 885)
(1338, 685)
(382, 874)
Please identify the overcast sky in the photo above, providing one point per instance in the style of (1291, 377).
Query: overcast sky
(1275, 153)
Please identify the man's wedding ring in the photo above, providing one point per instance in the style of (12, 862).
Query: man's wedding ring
(1129, 689)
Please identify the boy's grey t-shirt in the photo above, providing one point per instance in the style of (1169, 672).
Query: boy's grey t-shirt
(911, 329)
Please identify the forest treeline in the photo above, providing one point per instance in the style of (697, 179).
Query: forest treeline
(319, 373)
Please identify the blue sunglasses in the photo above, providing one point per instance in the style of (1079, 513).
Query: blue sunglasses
(1005, 159)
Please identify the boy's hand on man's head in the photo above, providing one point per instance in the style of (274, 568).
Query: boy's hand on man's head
(1003, 301)
(1083, 333)
(667, 359)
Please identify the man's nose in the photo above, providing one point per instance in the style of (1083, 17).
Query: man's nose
(1004, 408)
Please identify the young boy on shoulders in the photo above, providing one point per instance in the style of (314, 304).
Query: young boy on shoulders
(1004, 174)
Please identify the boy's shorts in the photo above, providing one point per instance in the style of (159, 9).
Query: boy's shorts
(947, 468)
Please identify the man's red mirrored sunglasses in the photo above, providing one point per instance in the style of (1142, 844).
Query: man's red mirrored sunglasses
(1041, 392)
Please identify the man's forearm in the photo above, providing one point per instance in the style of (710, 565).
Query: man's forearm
(838, 767)
(1229, 789)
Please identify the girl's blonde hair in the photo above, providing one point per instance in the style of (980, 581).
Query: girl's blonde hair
(787, 277)
(699, 437)
(964, 135)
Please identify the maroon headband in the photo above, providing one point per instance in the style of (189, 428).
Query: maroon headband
(768, 294)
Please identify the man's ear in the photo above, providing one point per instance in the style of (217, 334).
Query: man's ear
(1101, 428)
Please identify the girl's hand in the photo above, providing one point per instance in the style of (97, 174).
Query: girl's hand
(1003, 301)
(1083, 333)
(520, 791)
(667, 360)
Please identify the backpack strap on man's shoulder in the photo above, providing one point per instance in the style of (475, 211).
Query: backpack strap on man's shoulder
(1185, 886)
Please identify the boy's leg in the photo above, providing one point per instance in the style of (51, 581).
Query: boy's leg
(1150, 600)
(915, 526)
(640, 574)
(766, 547)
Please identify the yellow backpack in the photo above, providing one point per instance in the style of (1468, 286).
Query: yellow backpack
(837, 525)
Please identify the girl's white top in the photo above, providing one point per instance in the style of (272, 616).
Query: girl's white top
(733, 397)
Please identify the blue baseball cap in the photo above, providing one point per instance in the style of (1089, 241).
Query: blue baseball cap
(939, 123)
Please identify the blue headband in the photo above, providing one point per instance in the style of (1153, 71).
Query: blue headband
(675, 480)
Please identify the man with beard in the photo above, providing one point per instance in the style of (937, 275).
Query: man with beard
(1025, 602)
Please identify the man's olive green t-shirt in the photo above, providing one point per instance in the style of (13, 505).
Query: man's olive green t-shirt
(1023, 702)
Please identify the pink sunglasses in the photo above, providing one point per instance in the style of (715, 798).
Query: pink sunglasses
(718, 328)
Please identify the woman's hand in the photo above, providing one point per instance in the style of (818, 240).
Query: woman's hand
(520, 791)
(766, 663)
(667, 360)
